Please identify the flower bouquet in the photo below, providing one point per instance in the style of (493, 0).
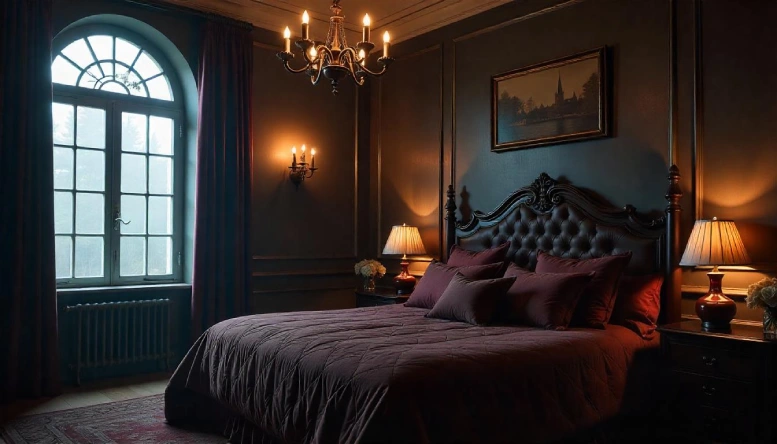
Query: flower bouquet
(764, 294)
(369, 269)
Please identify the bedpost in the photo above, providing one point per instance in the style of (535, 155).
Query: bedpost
(672, 274)
(450, 220)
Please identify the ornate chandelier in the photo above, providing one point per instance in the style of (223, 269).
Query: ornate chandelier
(334, 58)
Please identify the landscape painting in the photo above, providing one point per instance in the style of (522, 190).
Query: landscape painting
(558, 101)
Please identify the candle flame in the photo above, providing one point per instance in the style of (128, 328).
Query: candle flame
(312, 152)
(366, 20)
(287, 33)
(294, 150)
(303, 147)
(305, 17)
(362, 55)
(386, 37)
(313, 53)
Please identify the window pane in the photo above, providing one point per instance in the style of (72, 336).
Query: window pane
(91, 127)
(63, 212)
(133, 210)
(160, 175)
(146, 66)
(90, 213)
(102, 46)
(160, 255)
(89, 257)
(90, 77)
(161, 135)
(135, 86)
(63, 247)
(133, 132)
(133, 256)
(64, 72)
(107, 68)
(79, 53)
(63, 168)
(159, 88)
(160, 215)
(133, 173)
(90, 170)
(126, 51)
(63, 123)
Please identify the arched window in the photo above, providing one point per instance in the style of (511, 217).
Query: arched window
(117, 137)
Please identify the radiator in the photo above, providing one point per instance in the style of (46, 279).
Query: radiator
(120, 333)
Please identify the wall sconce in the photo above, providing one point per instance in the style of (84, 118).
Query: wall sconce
(299, 171)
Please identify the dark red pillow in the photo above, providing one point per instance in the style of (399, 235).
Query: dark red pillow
(638, 303)
(470, 301)
(595, 306)
(544, 300)
(438, 276)
(460, 257)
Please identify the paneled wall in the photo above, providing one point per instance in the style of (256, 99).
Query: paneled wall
(715, 123)
(304, 240)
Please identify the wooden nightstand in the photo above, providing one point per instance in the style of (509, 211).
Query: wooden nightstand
(721, 386)
(381, 296)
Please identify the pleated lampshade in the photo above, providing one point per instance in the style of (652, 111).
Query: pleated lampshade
(404, 240)
(715, 242)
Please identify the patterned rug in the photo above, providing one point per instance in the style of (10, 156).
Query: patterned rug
(134, 421)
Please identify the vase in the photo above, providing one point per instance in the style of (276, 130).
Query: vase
(369, 284)
(770, 323)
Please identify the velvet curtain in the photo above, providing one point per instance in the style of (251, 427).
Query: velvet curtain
(221, 281)
(29, 364)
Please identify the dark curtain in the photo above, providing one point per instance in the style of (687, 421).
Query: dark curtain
(29, 365)
(221, 281)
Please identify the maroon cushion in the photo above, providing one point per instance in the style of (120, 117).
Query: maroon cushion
(438, 276)
(544, 300)
(638, 303)
(460, 257)
(469, 300)
(595, 306)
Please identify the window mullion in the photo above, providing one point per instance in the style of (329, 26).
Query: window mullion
(115, 181)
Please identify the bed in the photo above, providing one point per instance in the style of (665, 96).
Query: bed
(390, 374)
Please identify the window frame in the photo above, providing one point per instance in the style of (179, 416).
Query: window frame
(114, 104)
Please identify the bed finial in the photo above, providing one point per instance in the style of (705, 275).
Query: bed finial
(450, 219)
(672, 274)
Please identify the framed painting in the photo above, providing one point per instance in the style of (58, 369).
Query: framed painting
(557, 101)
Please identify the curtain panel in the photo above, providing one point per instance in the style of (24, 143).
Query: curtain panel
(221, 280)
(29, 365)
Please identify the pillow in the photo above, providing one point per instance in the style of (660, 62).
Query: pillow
(470, 301)
(544, 300)
(595, 306)
(638, 303)
(460, 257)
(438, 276)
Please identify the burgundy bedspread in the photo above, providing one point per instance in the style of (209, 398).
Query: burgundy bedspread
(388, 374)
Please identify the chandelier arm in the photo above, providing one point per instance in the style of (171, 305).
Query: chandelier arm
(295, 71)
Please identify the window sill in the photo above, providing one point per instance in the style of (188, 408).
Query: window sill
(123, 288)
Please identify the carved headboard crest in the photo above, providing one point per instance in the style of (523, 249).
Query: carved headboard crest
(544, 197)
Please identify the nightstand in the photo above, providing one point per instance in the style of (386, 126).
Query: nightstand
(381, 296)
(721, 385)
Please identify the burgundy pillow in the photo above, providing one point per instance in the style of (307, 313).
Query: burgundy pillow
(595, 306)
(438, 276)
(638, 303)
(470, 301)
(460, 257)
(544, 300)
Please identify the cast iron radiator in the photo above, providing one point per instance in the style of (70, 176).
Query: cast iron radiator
(120, 333)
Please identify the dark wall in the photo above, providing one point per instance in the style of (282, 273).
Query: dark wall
(726, 168)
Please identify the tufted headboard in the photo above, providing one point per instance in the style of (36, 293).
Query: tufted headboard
(567, 221)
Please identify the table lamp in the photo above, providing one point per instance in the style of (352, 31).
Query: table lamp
(715, 242)
(404, 240)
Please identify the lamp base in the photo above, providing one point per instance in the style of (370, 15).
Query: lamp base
(404, 282)
(715, 309)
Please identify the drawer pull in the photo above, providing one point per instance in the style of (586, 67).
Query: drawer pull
(710, 362)
(708, 390)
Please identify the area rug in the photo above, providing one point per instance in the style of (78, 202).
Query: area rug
(134, 421)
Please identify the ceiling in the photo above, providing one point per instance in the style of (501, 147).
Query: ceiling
(402, 18)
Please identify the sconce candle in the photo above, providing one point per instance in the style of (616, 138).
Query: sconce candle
(366, 30)
(313, 158)
(305, 25)
(294, 156)
(302, 156)
(386, 39)
(298, 172)
(287, 38)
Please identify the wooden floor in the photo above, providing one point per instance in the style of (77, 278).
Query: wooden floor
(89, 394)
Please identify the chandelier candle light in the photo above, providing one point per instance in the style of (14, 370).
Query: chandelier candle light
(334, 58)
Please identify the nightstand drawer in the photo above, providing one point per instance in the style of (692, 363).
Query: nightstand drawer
(698, 390)
(712, 361)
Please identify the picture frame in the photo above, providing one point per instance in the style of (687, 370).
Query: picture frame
(556, 101)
